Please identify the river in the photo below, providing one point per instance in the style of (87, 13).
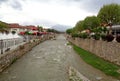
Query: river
(49, 61)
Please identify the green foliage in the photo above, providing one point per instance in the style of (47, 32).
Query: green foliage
(14, 60)
(103, 36)
(106, 14)
(103, 29)
(96, 30)
(105, 66)
(3, 26)
(27, 33)
(91, 22)
(52, 30)
(79, 26)
(69, 31)
(99, 30)
(96, 36)
(40, 28)
(13, 32)
(75, 35)
(109, 13)
(83, 35)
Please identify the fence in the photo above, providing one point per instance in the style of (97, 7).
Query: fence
(6, 44)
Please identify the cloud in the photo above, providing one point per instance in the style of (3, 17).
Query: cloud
(1, 1)
(93, 5)
(88, 5)
(15, 4)
(44, 23)
(49, 12)
(1, 17)
(44, 13)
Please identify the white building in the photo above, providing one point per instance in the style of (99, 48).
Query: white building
(115, 29)
(18, 28)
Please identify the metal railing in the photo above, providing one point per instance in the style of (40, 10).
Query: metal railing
(7, 44)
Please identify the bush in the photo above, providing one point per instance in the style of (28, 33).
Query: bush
(118, 38)
(103, 37)
(75, 35)
(13, 32)
(109, 38)
(83, 35)
(96, 36)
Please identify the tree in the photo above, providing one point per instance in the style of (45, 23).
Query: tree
(3, 26)
(91, 22)
(13, 32)
(52, 30)
(79, 26)
(40, 28)
(110, 13)
(69, 31)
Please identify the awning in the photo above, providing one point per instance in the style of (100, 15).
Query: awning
(34, 33)
(43, 32)
(22, 33)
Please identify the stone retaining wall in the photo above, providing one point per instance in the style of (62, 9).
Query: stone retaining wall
(11, 56)
(107, 50)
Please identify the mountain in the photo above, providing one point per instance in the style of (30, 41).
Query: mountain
(61, 28)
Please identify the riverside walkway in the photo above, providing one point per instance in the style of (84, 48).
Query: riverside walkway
(50, 61)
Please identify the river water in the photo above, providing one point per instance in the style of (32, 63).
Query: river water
(49, 61)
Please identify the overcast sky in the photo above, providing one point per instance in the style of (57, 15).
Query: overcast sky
(49, 12)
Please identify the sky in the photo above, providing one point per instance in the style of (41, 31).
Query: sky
(48, 13)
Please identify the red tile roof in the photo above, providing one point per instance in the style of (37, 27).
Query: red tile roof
(15, 25)
(32, 27)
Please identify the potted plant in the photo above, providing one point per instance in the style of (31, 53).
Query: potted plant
(103, 37)
(109, 38)
(118, 38)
